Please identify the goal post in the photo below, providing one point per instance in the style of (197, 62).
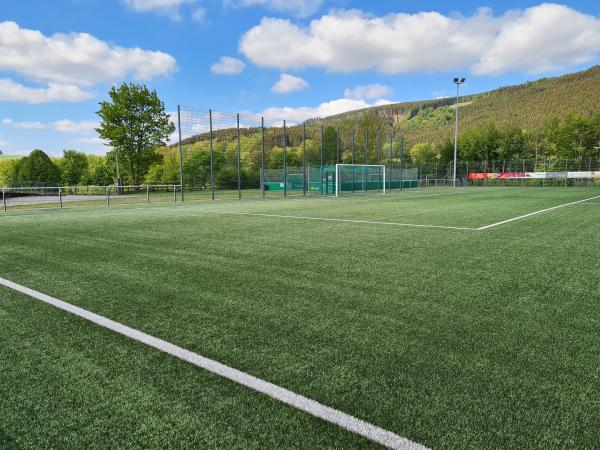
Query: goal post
(350, 178)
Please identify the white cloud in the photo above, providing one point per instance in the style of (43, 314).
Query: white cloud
(27, 125)
(289, 83)
(75, 59)
(63, 126)
(299, 8)
(55, 92)
(347, 41)
(72, 126)
(88, 141)
(544, 37)
(541, 39)
(228, 66)
(323, 110)
(199, 15)
(368, 92)
(169, 8)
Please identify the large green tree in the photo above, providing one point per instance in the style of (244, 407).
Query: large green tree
(134, 123)
(73, 166)
(97, 173)
(423, 153)
(37, 168)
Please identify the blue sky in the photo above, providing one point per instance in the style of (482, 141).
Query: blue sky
(289, 59)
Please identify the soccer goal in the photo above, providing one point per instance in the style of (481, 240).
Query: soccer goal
(352, 178)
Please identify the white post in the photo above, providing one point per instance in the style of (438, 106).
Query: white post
(337, 179)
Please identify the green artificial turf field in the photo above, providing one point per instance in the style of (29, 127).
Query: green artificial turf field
(451, 337)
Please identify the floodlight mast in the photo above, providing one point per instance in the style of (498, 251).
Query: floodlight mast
(458, 82)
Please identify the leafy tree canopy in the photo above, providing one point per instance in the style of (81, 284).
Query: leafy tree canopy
(37, 168)
(134, 123)
(73, 166)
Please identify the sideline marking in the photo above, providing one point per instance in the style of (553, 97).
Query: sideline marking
(327, 219)
(334, 416)
(524, 216)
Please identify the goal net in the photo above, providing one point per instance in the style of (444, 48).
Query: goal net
(359, 178)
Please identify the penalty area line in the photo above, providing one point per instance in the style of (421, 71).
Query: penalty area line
(329, 219)
(525, 216)
(312, 407)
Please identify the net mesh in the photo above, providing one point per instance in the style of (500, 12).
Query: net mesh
(360, 178)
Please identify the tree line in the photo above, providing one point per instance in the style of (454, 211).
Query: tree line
(136, 126)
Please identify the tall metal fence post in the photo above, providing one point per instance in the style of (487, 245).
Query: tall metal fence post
(285, 175)
(304, 159)
(262, 156)
(337, 145)
(321, 170)
(174, 193)
(4, 200)
(378, 148)
(212, 157)
(390, 160)
(402, 162)
(379, 160)
(239, 156)
(353, 136)
(566, 171)
(107, 197)
(180, 150)
(60, 199)
(523, 175)
(148, 194)
(366, 174)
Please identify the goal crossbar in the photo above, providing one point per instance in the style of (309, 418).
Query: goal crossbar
(381, 167)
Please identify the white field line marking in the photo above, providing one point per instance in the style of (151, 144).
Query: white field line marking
(524, 216)
(328, 219)
(346, 421)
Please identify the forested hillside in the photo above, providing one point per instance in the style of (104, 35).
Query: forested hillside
(527, 106)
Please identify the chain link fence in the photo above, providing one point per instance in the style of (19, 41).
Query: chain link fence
(256, 157)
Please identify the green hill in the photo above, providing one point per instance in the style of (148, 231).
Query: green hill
(527, 106)
(548, 121)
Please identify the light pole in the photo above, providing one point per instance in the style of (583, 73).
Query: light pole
(458, 82)
(119, 183)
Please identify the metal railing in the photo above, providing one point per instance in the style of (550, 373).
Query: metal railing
(66, 196)
(438, 182)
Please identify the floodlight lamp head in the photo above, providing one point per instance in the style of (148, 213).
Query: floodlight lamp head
(459, 80)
